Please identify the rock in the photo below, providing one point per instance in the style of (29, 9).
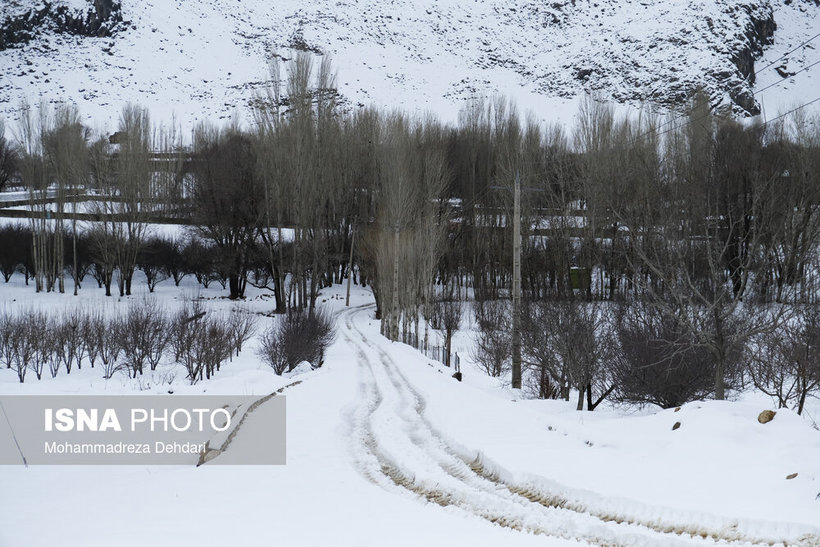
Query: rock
(766, 416)
(790, 477)
(677, 409)
(676, 426)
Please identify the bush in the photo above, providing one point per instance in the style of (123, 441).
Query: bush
(493, 349)
(200, 344)
(785, 363)
(657, 362)
(69, 340)
(201, 260)
(297, 337)
(143, 334)
(14, 243)
(241, 326)
(154, 256)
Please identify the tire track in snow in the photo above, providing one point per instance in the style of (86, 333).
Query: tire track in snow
(482, 488)
(458, 485)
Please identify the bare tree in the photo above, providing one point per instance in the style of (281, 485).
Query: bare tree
(8, 159)
(69, 339)
(699, 244)
(228, 199)
(134, 178)
(493, 347)
(143, 334)
(447, 319)
(785, 364)
(66, 146)
(94, 324)
(34, 171)
(104, 235)
(574, 348)
(108, 344)
(152, 258)
(35, 350)
(241, 327)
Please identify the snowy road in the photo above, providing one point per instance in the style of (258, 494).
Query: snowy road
(384, 448)
(395, 446)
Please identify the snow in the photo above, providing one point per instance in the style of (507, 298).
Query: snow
(189, 61)
(384, 447)
(784, 94)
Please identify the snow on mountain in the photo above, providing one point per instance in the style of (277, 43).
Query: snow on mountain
(207, 59)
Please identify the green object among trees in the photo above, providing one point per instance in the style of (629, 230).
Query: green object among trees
(579, 277)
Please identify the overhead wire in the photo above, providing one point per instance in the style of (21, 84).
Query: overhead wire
(774, 84)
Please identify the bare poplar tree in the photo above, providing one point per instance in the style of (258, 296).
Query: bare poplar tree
(36, 175)
(8, 158)
(134, 178)
(66, 149)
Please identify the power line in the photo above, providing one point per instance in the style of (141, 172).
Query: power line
(701, 118)
(788, 53)
(792, 110)
(771, 64)
(805, 68)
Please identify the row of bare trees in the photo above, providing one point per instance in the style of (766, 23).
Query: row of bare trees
(160, 258)
(58, 160)
(634, 352)
(702, 232)
(428, 202)
(142, 338)
(707, 226)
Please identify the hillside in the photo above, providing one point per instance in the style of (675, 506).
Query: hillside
(208, 58)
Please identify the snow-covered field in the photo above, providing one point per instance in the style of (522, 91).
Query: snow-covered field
(386, 448)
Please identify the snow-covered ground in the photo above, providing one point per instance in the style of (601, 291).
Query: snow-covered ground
(386, 448)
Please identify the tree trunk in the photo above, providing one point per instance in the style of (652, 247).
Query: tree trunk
(394, 331)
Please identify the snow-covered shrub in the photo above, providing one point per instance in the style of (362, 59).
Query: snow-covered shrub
(297, 337)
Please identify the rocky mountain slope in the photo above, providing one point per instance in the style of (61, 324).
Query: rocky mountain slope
(208, 58)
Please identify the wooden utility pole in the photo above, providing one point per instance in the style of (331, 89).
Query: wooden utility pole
(516, 286)
(350, 267)
(394, 322)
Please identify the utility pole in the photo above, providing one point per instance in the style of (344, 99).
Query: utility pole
(350, 267)
(516, 286)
